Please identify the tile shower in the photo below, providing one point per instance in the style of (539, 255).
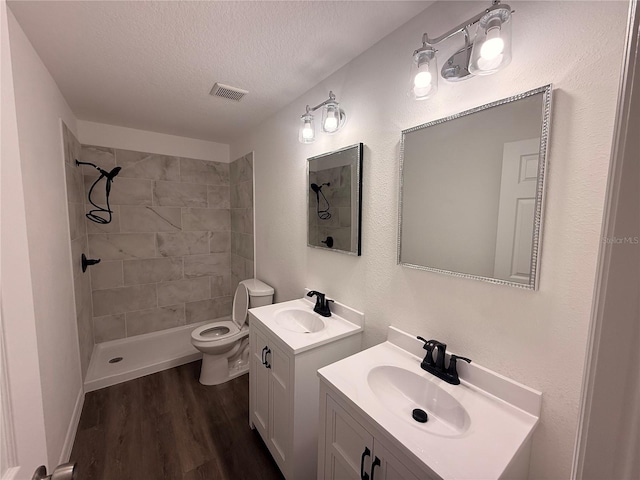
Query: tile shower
(180, 240)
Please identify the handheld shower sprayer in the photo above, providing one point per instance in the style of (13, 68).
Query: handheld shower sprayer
(93, 215)
(322, 214)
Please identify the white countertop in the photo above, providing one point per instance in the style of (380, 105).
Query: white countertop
(495, 432)
(344, 321)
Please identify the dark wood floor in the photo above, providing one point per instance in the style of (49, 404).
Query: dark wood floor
(168, 426)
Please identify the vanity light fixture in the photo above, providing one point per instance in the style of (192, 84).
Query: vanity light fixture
(333, 118)
(489, 52)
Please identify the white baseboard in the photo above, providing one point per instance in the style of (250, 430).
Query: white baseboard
(73, 428)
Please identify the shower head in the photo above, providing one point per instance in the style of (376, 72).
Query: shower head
(316, 188)
(112, 174)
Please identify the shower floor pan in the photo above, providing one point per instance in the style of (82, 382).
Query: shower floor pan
(121, 360)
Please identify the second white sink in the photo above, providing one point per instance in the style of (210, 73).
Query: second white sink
(299, 320)
(401, 391)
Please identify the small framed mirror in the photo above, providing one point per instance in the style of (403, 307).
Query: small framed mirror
(334, 199)
(472, 189)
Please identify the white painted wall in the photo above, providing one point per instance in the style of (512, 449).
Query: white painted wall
(26, 433)
(39, 105)
(538, 338)
(610, 434)
(103, 135)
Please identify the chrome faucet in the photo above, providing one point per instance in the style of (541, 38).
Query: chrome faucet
(322, 303)
(450, 374)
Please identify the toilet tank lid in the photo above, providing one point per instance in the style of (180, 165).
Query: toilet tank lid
(257, 288)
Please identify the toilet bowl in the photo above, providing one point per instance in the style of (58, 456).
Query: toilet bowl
(225, 343)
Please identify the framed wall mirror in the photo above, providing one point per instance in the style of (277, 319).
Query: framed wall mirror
(472, 190)
(334, 194)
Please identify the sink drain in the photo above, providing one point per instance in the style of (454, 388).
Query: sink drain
(420, 415)
(115, 360)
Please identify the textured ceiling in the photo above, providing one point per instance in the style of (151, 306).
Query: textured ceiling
(150, 65)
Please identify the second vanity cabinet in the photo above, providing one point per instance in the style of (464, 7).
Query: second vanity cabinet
(349, 447)
(284, 388)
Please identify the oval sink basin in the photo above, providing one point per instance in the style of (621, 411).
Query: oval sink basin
(401, 391)
(298, 320)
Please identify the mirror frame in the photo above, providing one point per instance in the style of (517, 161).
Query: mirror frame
(357, 196)
(546, 92)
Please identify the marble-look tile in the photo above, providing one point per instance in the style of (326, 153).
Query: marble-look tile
(124, 191)
(112, 227)
(106, 274)
(147, 165)
(118, 246)
(242, 195)
(203, 265)
(124, 299)
(75, 185)
(109, 327)
(221, 286)
(101, 156)
(84, 318)
(182, 291)
(149, 219)
(184, 243)
(242, 220)
(241, 170)
(176, 194)
(204, 172)
(197, 219)
(155, 319)
(152, 270)
(249, 268)
(220, 242)
(208, 309)
(218, 196)
(344, 215)
(78, 247)
(77, 227)
(237, 266)
(341, 237)
(242, 245)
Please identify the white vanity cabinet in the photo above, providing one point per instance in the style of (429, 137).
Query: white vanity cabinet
(351, 448)
(284, 393)
(269, 391)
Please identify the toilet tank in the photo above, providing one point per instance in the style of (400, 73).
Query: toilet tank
(260, 293)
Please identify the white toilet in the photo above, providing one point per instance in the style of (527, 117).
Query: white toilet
(225, 343)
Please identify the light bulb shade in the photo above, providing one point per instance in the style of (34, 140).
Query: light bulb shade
(307, 133)
(332, 118)
(491, 50)
(423, 77)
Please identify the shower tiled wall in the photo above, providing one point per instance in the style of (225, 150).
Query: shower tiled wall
(166, 258)
(78, 234)
(241, 179)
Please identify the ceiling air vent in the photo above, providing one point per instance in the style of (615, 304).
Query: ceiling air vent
(230, 93)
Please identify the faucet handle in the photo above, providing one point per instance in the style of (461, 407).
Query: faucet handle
(429, 345)
(452, 371)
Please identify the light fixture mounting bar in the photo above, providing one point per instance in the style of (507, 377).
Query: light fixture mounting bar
(331, 99)
(464, 25)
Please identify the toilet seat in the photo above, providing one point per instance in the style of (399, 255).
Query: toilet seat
(227, 331)
(217, 332)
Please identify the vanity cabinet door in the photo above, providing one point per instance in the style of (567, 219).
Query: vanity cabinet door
(259, 382)
(386, 466)
(279, 411)
(348, 445)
